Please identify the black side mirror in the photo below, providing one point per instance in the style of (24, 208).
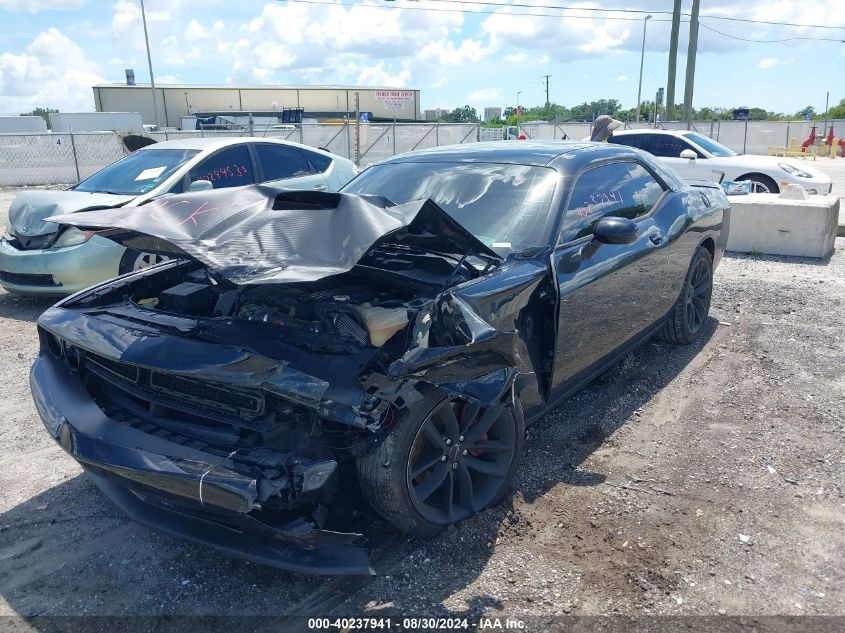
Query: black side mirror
(612, 230)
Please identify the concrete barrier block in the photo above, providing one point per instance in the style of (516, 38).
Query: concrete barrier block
(765, 223)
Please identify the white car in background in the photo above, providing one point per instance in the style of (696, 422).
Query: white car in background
(44, 258)
(697, 157)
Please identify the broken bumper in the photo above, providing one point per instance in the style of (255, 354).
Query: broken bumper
(181, 490)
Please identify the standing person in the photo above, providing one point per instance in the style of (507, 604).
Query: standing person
(603, 128)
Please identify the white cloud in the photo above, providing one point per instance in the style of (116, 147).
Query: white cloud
(195, 31)
(444, 52)
(515, 57)
(622, 78)
(53, 72)
(774, 62)
(440, 83)
(34, 6)
(485, 94)
(380, 75)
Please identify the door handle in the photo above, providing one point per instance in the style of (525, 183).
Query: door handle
(656, 239)
(319, 187)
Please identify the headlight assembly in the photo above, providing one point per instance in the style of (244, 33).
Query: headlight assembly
(72, 237)
(794, 171)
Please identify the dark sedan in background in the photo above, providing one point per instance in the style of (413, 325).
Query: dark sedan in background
(401, 332)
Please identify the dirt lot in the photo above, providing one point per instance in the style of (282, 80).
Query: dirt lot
(687, 481)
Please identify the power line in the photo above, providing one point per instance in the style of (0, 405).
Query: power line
(554, 7)
(786, 39)
(810, 26)
(545, 6)
(450, 10)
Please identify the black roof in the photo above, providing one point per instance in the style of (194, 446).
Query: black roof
(539, 153)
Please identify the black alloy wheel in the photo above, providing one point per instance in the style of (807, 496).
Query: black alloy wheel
(460, 458)
(698, 295)
(688, 315)
(441, 461)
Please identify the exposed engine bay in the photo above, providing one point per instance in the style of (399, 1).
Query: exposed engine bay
(329, 318)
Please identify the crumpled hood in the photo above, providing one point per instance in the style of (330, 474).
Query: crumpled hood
(29, 210)
(254, 235)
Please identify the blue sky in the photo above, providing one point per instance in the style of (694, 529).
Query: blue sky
(53, 51)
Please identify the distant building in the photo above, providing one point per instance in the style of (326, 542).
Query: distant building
(491, 114)
(317, 102)
(436, 113)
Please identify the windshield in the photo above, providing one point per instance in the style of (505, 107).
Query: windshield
(709, 145)
(138, 173)
(505, 206)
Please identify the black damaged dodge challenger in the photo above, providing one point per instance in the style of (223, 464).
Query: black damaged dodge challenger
(401, 332)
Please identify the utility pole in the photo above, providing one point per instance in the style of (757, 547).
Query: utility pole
(548, 105)
(150, 62)
(673, 61)
(689, 82)
(642, 60)
(517, 111)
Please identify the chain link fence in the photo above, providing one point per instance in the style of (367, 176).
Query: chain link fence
(40, 159)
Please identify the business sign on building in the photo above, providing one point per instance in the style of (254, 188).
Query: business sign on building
(394, 99)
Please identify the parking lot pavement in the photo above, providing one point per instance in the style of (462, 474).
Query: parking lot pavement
(684, 481)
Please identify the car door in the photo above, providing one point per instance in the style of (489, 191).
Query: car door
(668, 148)
(286, 167)
(608, 294)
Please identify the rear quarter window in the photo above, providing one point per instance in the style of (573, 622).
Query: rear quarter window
(320, 162)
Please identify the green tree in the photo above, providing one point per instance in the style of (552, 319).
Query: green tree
(465, 114)
(44, 113)
(837, 111)
(804, 112)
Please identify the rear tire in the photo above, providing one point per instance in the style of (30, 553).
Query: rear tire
(686, 321)
(442, 462)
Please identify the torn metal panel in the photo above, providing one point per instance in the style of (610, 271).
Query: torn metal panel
(253, 235)
(30, 210)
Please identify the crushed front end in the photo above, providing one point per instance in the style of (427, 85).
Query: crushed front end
(231, 406)
(194, 457)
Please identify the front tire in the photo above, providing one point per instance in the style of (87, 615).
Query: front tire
(133, 261)
(442, 462)
(686, 321)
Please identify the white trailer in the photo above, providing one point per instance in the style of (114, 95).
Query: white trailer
(66, 122)
(22, 125)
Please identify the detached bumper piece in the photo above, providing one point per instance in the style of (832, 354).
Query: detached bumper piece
(191, 493)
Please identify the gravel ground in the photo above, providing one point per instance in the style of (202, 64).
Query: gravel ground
(686, 481)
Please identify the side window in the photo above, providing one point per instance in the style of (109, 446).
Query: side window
(230, 167)
(667, 146)
(631, 140)
(625, 190)
(320, 162)
(280, 161)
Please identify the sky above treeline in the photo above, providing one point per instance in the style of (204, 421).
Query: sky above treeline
(455, 52)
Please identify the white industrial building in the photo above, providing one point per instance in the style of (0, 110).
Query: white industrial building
(318, 102)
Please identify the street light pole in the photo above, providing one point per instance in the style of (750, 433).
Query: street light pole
(517, 111)
(150, 62)
(642, 60)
